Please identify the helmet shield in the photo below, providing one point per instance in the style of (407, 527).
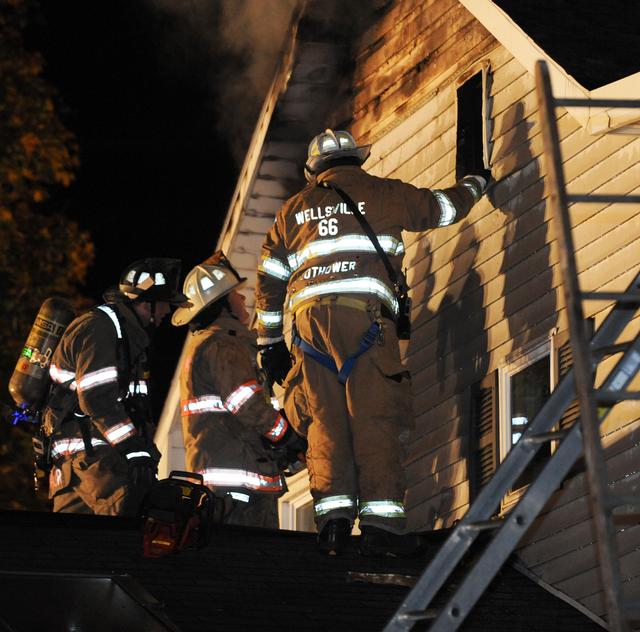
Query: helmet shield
(153, 279)
(330, 146)
(207, 283)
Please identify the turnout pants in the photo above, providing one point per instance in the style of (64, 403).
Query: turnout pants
(353, 430)
(97, 484)
(260, 511)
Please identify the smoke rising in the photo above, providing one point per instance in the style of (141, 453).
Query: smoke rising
(231, 48)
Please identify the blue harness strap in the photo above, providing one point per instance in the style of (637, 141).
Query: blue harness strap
(366, 342)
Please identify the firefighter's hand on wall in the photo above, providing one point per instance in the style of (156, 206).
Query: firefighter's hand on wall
(486, 174)
(275, 361)
(476, 184)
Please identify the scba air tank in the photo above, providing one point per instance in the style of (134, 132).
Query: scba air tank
(30, 380)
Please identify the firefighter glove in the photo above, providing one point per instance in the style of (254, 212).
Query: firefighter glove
(275, 360)
(143, 470)
(142, 461)
(479, 182)
(290, 448)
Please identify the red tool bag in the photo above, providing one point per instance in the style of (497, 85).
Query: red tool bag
(179, 513)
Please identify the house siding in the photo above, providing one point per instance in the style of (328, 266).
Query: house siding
(491, 284)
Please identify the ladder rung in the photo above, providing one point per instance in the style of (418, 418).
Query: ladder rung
(597, 198)
(482, 525)
(613, 397)
(545, 437)
(598, 103)
(621, 297)
(419, 615)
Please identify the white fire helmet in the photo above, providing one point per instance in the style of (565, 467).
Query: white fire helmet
(207, 283)
(329, 146)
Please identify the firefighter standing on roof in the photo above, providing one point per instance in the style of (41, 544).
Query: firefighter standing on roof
(318, 263)
(232, 434)
(98, 414)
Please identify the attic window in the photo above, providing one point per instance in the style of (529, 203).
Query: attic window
(472, 146)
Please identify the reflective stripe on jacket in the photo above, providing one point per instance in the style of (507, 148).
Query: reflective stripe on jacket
(316, 247)
(86, 363)
(224, 411)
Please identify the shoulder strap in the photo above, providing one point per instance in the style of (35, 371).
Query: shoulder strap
(399, 283)
(123, 355)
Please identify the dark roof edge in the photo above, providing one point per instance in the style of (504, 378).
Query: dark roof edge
(521, 568)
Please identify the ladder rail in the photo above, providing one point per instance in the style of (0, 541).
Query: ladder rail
(510, 532)
(532, 502)
(461, 538)
(583, 369)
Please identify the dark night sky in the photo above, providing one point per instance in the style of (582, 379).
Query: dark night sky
(156, 175)
(162, 108)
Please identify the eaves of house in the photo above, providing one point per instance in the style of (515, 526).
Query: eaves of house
(530, 33)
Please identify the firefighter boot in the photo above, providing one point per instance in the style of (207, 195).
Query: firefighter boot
(376, 542)
(334, 536)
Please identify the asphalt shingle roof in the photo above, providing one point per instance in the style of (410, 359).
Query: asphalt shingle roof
(254, 578)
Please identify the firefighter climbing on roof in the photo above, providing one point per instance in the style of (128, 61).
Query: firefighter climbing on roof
(348, 391)
(233, 435)
(98, 415)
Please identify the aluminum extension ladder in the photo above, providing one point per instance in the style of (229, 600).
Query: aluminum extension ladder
(595, 406)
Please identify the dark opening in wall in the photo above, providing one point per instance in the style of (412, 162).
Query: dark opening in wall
(469, 147)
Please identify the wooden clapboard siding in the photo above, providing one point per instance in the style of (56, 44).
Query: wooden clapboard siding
(415, 45)
(441, 511)
(569, 505)
(543, 263)
(402, 35)
(598, 155)
(444, 433)
(409, 136)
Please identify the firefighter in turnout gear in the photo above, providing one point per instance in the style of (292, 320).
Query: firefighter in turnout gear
(233, 435)
(347, 390)
(98, 415)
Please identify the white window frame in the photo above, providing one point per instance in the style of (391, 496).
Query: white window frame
(295, 507)
(514, 364)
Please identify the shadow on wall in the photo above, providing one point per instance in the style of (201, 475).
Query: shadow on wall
(528, 292)
(462, 334)
(461, 318)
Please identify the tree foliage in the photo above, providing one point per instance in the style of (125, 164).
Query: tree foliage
(42, 252)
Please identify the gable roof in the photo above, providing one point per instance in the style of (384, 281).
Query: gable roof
(249, 577)
(525, 33)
